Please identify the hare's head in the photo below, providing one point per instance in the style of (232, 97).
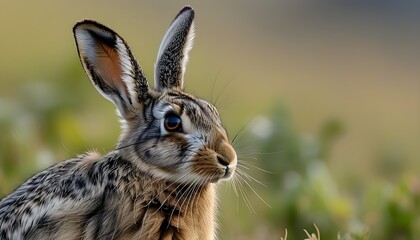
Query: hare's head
(166, 132)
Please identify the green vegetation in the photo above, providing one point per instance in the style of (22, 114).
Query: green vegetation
(301, 190)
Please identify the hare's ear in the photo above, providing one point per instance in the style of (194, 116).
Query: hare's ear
(173, 51)
(110, 66)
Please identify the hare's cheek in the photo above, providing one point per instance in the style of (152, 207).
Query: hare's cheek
(167, 152)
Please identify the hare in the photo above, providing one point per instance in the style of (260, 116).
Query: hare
(159, 182)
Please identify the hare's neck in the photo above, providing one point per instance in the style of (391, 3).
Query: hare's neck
(197, 215)
(205, 213)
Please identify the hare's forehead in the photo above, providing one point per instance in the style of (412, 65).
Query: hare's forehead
(200, 112)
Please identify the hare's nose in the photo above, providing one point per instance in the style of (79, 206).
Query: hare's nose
(226, 155)
(222, 160)
(230, 165)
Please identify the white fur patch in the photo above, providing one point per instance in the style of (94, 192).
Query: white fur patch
(127, 70)
(187, 48)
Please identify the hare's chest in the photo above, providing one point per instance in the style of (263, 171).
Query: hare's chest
(157, 220)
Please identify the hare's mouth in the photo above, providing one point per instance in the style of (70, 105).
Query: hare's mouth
(229, 170)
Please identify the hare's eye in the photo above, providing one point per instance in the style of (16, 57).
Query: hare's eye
(173, 123)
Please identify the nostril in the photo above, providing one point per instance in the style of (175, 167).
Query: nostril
(222, 160)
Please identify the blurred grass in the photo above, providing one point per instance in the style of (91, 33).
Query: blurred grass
(334, 85)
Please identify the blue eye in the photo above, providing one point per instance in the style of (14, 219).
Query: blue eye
(173, 123)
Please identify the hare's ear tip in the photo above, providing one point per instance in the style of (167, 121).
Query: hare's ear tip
(187, 9)
(94, 28)
(83, 22)
(86, 22)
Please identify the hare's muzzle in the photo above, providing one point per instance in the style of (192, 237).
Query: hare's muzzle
(227, 158)
(215, 160)
(229, 170)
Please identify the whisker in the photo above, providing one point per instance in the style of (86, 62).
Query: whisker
(233, 184)
(223, 90)
(176, 189)
(241, 163)
(188, 192)
(246, 141)
(187, 186)
(250, 177)
(191, 200)
(196, 190)
(244, 127)
(263, 153)
(246, 158)
(214, 85)
(245, 196)
(253, 190)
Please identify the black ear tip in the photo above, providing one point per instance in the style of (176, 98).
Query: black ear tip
(187, 10)
(91, 24)
(84, 22)
(96, 30)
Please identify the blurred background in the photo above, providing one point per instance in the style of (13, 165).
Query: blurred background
(324, 97)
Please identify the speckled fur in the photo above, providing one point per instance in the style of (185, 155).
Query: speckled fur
(105, 199)
(155, 184)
